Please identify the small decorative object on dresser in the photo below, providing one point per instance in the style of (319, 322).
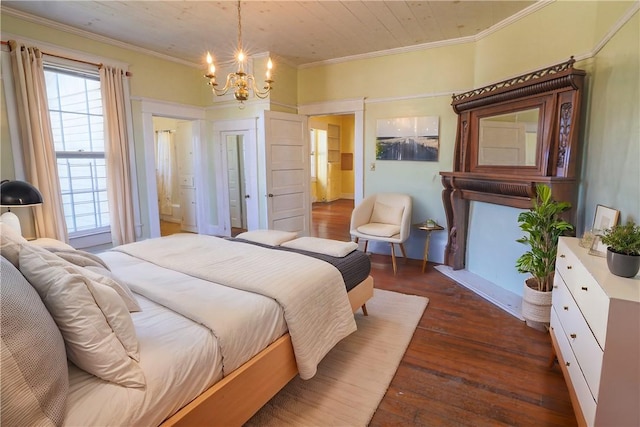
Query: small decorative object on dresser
(595, 330)
(623, 251)
(543, 226)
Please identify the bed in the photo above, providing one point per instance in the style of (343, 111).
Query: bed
(214, 354)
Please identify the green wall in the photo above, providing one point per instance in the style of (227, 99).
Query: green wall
(611, 175)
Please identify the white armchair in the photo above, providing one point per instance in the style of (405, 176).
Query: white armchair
(383, 217)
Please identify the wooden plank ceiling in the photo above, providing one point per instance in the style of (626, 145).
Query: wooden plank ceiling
(301, 32)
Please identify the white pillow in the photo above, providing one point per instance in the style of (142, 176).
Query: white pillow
(47, 242)
(10, 243)
(106, 277)
(94, 321)
(329, 247)
(94, 270)
(268, 237)
(386, 214)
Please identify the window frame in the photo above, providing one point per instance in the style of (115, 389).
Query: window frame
(102, 233)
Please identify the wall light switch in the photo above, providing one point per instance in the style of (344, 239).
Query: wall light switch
(372, 167)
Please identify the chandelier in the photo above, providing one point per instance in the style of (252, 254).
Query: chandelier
(240, 81)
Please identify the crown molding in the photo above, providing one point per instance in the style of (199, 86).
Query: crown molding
(616, 27)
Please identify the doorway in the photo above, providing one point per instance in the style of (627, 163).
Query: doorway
(175, 176)
(237, 185)
(332, 147)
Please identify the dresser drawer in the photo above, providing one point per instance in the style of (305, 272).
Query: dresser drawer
(585, 348)
(577, 380)
(588, 295)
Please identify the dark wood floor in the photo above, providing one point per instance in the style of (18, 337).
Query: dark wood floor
(469, 363)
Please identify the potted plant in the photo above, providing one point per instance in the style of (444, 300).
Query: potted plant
(543, 226)
(623, 251)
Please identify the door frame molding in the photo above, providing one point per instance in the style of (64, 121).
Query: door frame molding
(345, 106)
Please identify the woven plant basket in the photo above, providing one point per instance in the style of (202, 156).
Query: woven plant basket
(536, 308)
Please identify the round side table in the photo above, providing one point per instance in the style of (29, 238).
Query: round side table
(428, 227)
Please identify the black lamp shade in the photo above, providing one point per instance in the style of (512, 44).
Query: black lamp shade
(19, 193)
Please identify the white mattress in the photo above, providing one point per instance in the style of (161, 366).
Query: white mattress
(180, 358)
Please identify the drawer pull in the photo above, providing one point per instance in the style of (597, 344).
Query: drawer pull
(566, 307)
(567, 364)
(561, 255)
(573, 335)
(584, 288)
(569, 267)
(555, 286)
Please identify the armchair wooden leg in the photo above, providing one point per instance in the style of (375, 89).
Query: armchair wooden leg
(404, 254)
(364, 309)
(393, 259)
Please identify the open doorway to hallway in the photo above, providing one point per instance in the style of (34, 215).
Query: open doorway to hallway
(332, 175)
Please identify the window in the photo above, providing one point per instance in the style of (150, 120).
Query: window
(75, 109)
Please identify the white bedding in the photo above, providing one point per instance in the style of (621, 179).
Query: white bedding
(180, 360)
(311, 292)
(244, 323)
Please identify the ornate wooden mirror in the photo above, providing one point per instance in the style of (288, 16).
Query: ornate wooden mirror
(511, 136)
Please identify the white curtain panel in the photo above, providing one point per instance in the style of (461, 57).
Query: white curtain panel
(117, 157)
(37, 139)
(165, 170)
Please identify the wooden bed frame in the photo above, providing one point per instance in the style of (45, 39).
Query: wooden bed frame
(239, 395)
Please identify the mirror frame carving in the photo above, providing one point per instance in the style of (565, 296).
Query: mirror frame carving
(556, 90)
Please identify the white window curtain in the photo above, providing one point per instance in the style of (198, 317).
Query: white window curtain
(37, 139)
(119, 190)
(165, 170)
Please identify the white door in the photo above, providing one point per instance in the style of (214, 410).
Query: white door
(234, 181)
(245, 179)
(186, 170)
(287, 172)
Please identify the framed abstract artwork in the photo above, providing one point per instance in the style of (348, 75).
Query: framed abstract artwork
(408, 138)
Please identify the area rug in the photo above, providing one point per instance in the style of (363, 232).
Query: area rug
(353, 378)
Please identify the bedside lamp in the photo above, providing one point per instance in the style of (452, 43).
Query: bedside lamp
(17, 194)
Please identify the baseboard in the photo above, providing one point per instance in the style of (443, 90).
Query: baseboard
(498, 296)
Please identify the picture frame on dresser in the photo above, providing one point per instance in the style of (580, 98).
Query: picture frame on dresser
(604, 218)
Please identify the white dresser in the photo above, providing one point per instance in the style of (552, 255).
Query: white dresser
(595, 329)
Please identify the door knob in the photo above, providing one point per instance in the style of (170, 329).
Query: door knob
(270, 195)
(247, 196)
